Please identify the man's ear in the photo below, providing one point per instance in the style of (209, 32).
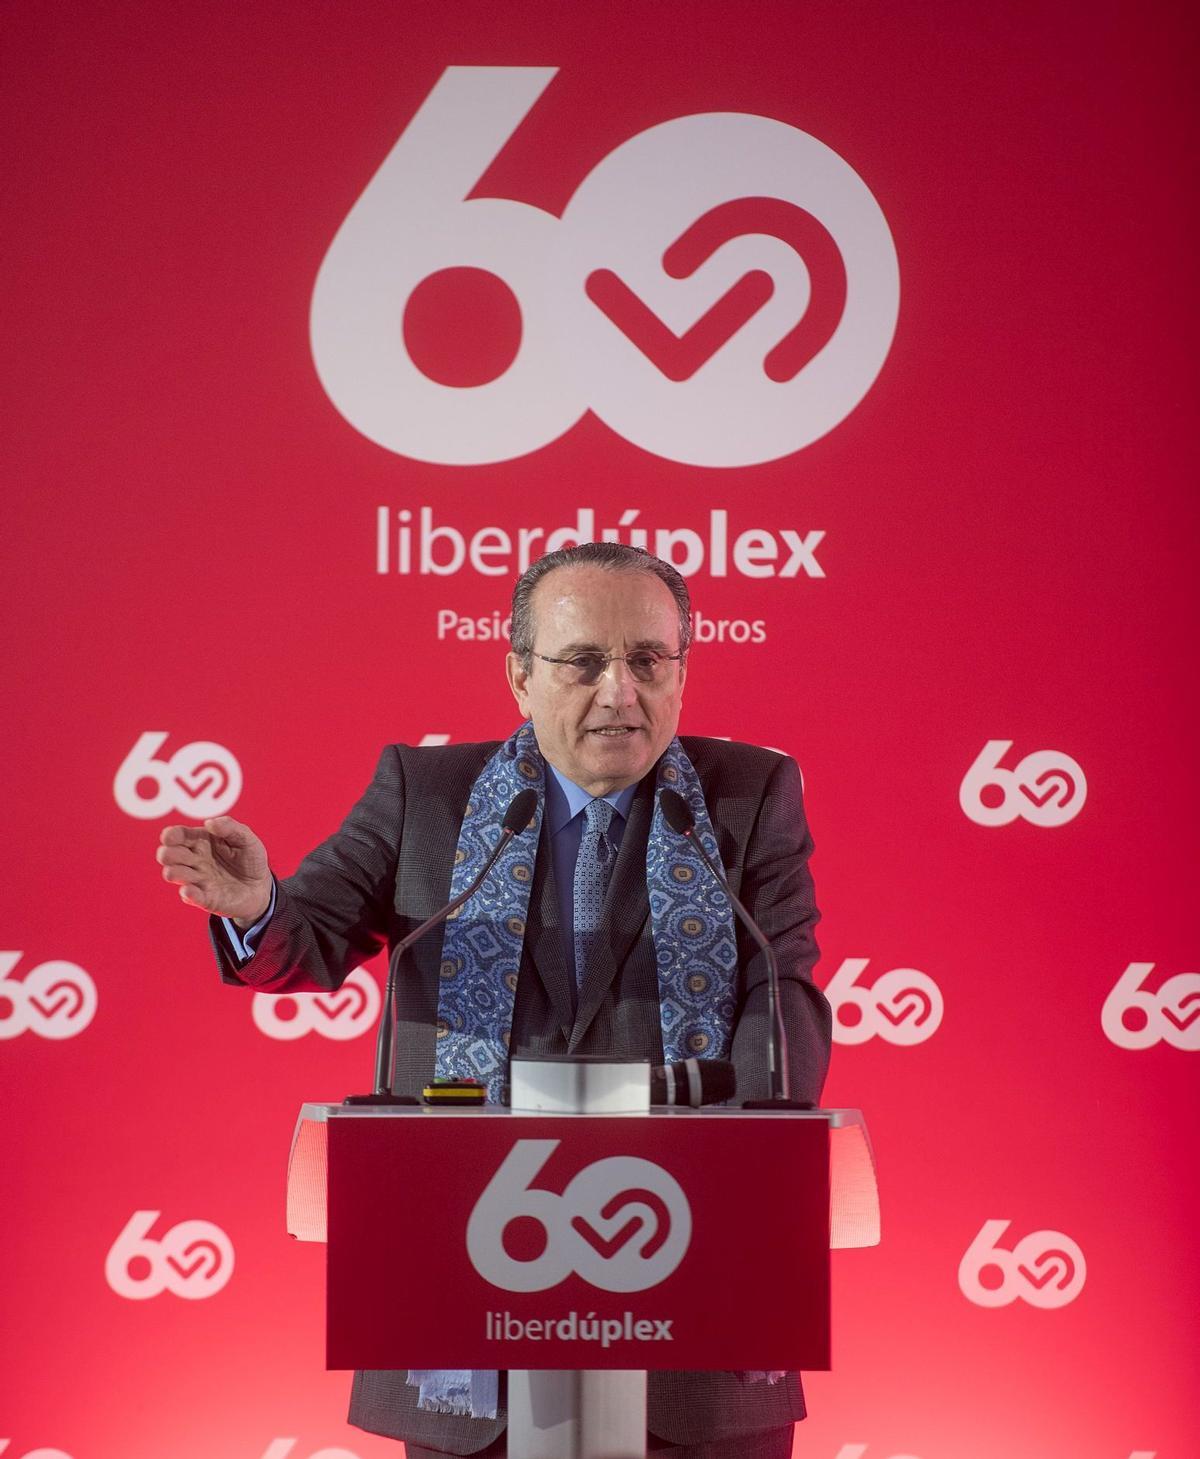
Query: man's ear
(518, 676)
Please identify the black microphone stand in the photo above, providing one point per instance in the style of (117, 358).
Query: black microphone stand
(518, 816)
(678, 815)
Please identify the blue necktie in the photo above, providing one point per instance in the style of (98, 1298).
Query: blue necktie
(593, 866)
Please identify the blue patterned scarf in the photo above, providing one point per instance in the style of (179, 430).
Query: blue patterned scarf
(691, 920)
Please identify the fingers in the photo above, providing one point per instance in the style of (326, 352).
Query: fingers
(194, 897)
(189, 875)
(189, 869)
(216, 866)
(227, 829)
(183, 836)
(188, 865)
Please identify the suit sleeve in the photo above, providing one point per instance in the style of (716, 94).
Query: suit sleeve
(335, 911)
(777, 889)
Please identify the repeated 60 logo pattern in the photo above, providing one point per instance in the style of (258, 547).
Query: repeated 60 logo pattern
(860, 1451)
(1134, 1019)
(1045, 1269)
(283, 1449)
(1046, 788)
(199, 780)
(903, 1006)
(345, 1013)
(193, 1259)
(55, 1000)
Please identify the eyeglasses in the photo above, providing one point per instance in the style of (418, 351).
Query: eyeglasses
(646, 666)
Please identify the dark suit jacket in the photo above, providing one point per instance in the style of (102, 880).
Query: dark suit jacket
(388, 868)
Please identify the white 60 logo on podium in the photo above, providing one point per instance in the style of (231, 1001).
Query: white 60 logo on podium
(199, 780)
(623, 1224)
(903, 1006)
(55, 1000)
(1046, 788)
(1134, 1019)
(721, 289)
(193, 1259)
(344, 1013)
(1045, 1269)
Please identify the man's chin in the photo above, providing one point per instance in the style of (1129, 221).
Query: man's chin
(623, 759)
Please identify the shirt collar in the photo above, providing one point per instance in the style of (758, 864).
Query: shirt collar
(564, 799)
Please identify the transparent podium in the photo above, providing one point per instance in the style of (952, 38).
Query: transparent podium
(578, 1238)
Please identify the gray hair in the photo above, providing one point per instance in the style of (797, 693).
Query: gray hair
(614, 557)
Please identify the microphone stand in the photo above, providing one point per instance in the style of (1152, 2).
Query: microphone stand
(518, 816)
(678, 816)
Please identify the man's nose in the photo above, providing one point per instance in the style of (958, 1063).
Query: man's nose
(617, 686)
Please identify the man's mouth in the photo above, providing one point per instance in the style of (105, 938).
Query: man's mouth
(614, 731)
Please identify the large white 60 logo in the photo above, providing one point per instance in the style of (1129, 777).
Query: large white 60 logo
(56, 1000)
(193, 1259)
(904, 1006)
(343, 1014)
(622, 1223)
(721, 289)
(1045, 1268)
(1134, 1019)
(201, 779)
(1047, 787)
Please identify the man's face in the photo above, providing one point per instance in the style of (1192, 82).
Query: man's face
(603, 736)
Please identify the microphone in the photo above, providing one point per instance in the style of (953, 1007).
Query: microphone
(520, 813)
(517, 818)
(678, 815)
(693, 1082)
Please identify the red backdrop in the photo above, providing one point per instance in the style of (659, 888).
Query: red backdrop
(966, 606)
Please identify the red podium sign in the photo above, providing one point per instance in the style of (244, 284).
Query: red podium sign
(494, 1241)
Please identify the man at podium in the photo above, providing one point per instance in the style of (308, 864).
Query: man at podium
(589, 945)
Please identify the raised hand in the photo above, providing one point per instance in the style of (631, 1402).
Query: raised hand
(220, 867)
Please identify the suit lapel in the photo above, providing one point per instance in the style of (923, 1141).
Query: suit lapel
(626, 909)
